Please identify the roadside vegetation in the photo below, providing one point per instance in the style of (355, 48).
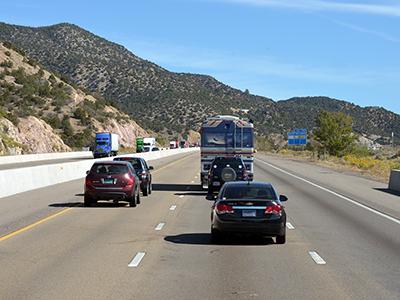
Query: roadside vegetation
(333, 144)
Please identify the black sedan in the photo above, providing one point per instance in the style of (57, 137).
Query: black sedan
(249, 207)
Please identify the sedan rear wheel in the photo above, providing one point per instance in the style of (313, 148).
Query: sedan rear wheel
(216, 235)
(281, 239)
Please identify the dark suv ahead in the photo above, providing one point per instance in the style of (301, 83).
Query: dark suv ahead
(225, 169)
(142, 171)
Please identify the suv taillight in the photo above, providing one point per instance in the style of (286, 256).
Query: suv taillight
(88, 181)
(129, 179)
(274, 209)
(224, 209)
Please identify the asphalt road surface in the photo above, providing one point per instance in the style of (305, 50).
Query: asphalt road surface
(344, 241)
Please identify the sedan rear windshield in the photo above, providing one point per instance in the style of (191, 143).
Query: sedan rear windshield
(249, 192)
(109, 169)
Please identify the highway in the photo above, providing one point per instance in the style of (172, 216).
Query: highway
(343, 241)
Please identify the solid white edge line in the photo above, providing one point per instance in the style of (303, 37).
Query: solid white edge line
(159, 226)
(173, 207)
(397, 221)
(318, 259)
(289, 225)
(136, 260)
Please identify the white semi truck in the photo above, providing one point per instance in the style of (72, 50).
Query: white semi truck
(148, 144)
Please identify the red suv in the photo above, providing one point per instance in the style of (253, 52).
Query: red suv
(112, 180)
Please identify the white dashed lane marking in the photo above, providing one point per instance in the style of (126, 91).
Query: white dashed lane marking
(136, 260)
(159, 226)
(318, 259)
(173, 207)
(289, 225)
(181, 196)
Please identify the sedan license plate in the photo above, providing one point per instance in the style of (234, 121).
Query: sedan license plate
(108, 180)
(249, 213)
(216, 183)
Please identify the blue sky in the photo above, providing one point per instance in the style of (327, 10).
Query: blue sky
(348, 50)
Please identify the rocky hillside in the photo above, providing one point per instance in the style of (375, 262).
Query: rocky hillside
(174, 102)
(156, 98)
(41, 113)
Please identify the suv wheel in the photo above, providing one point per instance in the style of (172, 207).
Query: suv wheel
(228, 174)
(132, 201)
(87, 200)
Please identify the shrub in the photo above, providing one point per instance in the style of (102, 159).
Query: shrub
(53, 121)
(334, 133)
(12, 118)
(6, 64)
(7, 53)
(66, 127)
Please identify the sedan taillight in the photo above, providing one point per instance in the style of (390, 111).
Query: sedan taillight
(224, 209)
(274, 209)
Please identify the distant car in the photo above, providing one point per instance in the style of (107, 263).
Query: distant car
(142, 171)
(225, 169)
(155, 149)
(112, 180)
(249, 207)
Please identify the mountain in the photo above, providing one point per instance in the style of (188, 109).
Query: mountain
(41, 113)
(173, 102)
(372, 121)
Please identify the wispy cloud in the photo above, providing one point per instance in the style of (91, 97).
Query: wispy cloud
(186, 59)
(385, 9)
(378, 34)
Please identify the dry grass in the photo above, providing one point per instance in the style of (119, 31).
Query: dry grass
(378, 169)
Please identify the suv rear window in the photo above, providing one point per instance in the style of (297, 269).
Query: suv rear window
(232, 162)
(249, 192)
(134, 161)
(109, 169)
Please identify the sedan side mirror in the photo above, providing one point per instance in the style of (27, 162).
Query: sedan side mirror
(151, 168)
(283, 198)
(87, 172)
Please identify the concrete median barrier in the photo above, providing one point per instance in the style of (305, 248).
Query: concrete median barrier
(13, 159)
(20, 180)
(394, 181)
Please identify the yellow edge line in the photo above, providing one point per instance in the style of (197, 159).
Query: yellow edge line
(23, 229)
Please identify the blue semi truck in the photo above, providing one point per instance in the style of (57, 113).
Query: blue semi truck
(106, 145)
